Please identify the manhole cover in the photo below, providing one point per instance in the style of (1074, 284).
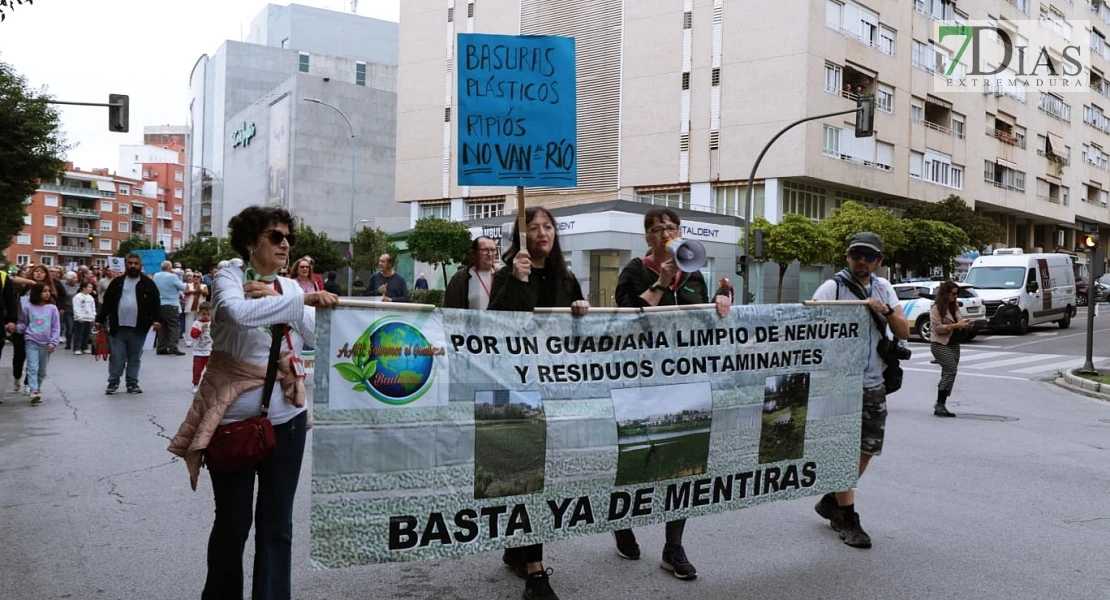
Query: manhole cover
(973, 416)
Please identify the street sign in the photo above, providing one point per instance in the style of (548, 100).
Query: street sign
(517, 122)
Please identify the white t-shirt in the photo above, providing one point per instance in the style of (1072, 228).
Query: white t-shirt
(881, 289)
(481, 283)
(239, 328)
(202, 345)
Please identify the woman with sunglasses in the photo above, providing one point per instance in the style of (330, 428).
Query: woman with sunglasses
(536, 276)
(302, 274)
(248, 304)
(948, 329)
(470, 287)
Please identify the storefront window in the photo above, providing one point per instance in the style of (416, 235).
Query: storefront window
(732, 200)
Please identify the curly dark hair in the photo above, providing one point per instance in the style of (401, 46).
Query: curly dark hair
(248, 225)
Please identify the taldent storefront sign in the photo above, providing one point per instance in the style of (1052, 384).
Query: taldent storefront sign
(243, 135)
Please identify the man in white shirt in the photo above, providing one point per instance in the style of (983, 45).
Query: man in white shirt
(865, 255)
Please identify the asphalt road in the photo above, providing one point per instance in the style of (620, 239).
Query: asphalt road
(1006, 505)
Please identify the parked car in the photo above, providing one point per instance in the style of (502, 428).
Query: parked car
(916, 300)
(1081, 291)
(1102, 288)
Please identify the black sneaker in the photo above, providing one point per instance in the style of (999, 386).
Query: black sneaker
(829, 509)
(133, 388)
(112, 388)
(851, 531)
(515, 561)
(941, 410)
(626, 544)
(675, 561)
(537, 586)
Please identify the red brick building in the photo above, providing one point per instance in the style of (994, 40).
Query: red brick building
(82, 217)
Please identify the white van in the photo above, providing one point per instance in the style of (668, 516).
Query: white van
(1019, 290)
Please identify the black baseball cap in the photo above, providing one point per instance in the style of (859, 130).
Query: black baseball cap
(868, 240)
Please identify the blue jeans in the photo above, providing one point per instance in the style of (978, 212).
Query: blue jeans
(273, 516)
(127, 349)
(37, 359)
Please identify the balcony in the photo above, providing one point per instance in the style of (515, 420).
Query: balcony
(1006, 137)
(1053, 199)
(76, 250)
(165, 216)
(137, 218)
(80, 213)
(80, 231)
(72, 190)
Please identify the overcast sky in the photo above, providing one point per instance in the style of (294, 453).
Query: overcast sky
(83, 50)
(639, 403)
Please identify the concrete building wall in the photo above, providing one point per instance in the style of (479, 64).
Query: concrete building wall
(327, 32)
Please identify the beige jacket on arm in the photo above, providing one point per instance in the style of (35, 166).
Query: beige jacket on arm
(942, 325)
(227, 378)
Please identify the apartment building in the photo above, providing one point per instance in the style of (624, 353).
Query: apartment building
(676, 100)
(160, 165)
(81, 218)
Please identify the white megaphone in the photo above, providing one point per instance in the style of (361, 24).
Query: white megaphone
(689, 255)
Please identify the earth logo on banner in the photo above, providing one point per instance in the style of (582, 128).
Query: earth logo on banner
(392, 361)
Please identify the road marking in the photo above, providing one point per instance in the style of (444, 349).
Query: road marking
(1042, 333)
(1058, 337)
(1056, 367)
(1017, 361)
(987, 375)
(980, 355)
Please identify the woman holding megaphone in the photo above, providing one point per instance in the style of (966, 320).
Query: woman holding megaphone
(657, 280)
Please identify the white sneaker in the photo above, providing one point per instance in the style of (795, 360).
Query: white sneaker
(17, 385)
(188, 344)
(195, 388)
(26, 390)
(36, 398)
(77, 352)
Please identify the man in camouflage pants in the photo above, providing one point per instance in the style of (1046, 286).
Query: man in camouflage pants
(865, 255)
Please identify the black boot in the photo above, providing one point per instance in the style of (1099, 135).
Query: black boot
(940, 410)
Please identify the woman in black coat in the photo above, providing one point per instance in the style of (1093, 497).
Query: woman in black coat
(535, 277)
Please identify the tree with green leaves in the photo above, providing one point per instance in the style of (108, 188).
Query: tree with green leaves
(319, 246)
(31, 147)
(795, 238)
(931, 244)
(852, 218)
(369, 245)
(439, 242)
(134, 242)
(204, 252)
(7, 6)
(981, 231)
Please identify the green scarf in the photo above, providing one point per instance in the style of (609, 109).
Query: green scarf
(253, 275)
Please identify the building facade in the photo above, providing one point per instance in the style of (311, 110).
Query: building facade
(676, 100)
(254, 140)
(159, 164)
(81, 219)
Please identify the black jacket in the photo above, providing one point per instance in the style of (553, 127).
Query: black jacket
(543, 289)
(332, 286)
(146, 297)
(9, 301)
(637, 277)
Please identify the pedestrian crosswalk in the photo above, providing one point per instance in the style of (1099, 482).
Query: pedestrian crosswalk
(989, 361)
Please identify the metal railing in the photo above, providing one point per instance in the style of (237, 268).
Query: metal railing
(78, 231)
(72, 190)
(1006, 137)
(79, 250)
(73, 211)
(1054, 157)
(935, 127)
(1049, 199)
(137, 218)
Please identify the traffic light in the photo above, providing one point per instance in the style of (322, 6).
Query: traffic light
(118, 113)
(741, 264)
(90, 238)
(865, 116)
(1090, 242)
(757, 251)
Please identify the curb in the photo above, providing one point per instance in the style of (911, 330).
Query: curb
(1070, 381)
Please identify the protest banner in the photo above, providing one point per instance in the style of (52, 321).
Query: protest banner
(446, 432)
(517, 121)
(152, 260)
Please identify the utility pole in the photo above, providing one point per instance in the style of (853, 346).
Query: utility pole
(1095, 258)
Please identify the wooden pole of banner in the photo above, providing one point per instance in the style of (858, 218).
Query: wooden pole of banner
(521, 222)
(359, 303)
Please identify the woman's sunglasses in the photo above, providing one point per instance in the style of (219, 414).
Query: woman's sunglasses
(276, 236)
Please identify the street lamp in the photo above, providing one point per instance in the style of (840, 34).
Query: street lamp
(351, 236)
